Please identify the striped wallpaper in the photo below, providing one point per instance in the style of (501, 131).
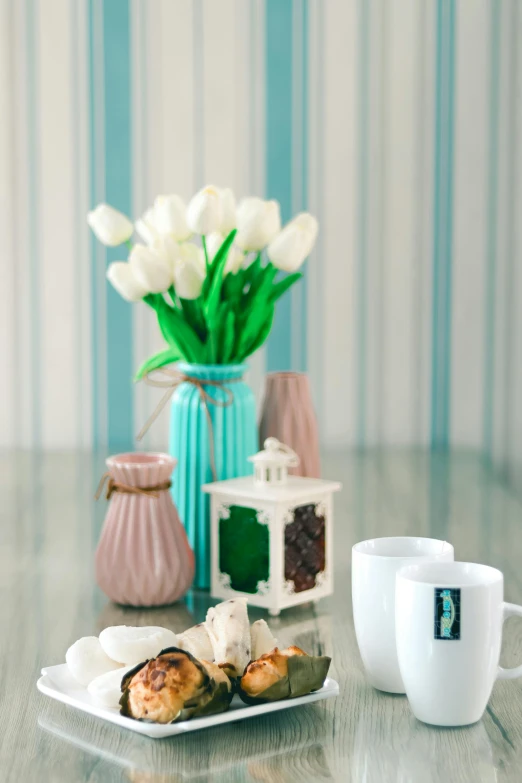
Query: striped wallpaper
(397, 123)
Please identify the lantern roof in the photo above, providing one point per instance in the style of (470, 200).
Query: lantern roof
(296, 488)
(276, 453)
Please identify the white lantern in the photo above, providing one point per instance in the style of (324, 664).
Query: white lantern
(272, 534)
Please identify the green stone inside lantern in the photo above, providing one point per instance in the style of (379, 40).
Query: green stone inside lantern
(244, 549)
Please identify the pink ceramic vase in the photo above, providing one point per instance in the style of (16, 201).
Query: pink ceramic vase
(288, 415)
(143, 556)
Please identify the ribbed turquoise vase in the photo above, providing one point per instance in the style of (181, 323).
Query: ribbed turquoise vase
(235, 439)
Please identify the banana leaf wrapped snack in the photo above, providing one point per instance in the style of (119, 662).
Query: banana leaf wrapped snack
(283, 674)
(174, 686)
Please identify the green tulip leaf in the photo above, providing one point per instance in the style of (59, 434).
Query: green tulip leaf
(259, 335)
(282, 286)
(214, 276)
(169, 356)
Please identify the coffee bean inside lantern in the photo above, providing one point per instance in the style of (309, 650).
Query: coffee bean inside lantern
(305, 547)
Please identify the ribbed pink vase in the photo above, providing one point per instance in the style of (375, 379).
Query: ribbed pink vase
(143, 556)
(288, 415)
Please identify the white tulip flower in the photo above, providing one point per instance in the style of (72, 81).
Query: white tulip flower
(235, 254)
(228, 206)
(188, 279)
(258, 222)
(151, 271)
(170, 217)
(167, 249)
(288, 250)
(205, 211)
(122, 277)
(110, 226)
(189, 253)
(146, 228)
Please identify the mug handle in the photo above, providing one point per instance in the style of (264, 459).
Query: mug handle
(516, 671)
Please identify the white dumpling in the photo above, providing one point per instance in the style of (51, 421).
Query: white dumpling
(129, 645)
(229, 631)
(262, 639)
(106, 689)
(86, 660)
(196, 641)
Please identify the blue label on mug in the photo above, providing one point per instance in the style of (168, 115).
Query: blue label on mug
(447, 613)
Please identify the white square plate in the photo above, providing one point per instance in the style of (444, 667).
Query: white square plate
(57, 682)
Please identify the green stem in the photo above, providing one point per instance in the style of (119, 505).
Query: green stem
(204, 243)
(129, 244)
(150, 299)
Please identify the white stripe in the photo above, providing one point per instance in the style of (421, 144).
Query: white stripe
(20, 215)
(470, 222)
(141, 123)
(423, 242)
(8, 261)
(338, 229)
(220, 96)
(397, 386)
(375, 247)
(78, 48)
(59, 390)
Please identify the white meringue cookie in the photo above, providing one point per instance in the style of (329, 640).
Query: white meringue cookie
(130, 645)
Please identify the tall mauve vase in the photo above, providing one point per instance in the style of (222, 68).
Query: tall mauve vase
(288, 415)
(234, 438)
(143, 556)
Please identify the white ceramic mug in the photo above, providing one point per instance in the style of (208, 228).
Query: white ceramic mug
(449, 620)
(374, 567)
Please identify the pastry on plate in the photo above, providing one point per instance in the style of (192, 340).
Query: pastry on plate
(283, 674)
(229, 631)
(262, 639)
(197, 641)
(174, 686)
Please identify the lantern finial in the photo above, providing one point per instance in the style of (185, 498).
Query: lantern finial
(271, 465)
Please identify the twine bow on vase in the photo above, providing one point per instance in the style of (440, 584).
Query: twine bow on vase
(170, 381)
(118, 486)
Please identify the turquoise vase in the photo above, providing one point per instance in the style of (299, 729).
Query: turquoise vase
(235, 439)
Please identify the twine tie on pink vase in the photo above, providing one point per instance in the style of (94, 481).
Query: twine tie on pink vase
(171, 381)
(113, 486)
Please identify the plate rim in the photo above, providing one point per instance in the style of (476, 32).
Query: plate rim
(47, 687)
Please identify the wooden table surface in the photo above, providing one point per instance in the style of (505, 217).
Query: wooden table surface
(50, 526)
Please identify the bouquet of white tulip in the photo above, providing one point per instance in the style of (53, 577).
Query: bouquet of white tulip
(215, 300)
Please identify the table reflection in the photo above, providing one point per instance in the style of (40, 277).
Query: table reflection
(404, 750)
(225, 754)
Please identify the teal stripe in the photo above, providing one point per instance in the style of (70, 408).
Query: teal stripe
(115, 102)
(118, 189)
(443, 223)
(362, 215)
(31, 21)
(492, 226)
(279, 52)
